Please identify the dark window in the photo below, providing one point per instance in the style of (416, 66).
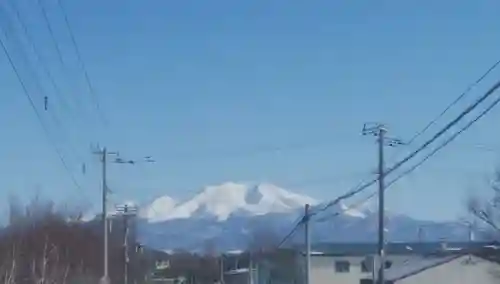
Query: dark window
(342, 266)
(388, 264)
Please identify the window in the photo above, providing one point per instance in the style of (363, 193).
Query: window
(342, 266)
(388, 264)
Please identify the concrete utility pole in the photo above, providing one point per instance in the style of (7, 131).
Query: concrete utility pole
(250, 269)
(420, 234)
(307, 230)
(379, 131)
(103, 154)
(126, 211)
(221, 268)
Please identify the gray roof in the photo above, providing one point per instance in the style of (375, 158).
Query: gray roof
(403, 248)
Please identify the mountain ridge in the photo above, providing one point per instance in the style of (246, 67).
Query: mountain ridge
(221, 201)
(231, 215)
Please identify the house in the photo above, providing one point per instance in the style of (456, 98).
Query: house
(462, 268)
(271, 267)
(354, 263)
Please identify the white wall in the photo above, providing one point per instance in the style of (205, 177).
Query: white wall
(323, 269)
(457, 272)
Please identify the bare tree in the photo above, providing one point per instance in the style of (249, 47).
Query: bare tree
(42, 245)
(487, 210)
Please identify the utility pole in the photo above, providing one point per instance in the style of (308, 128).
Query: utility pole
(105, 277)
(221, 268)
(126, 211)
(420, 234)
(307, 230)
(250, 269)
(103, 155)
(379, 131)
(381, 206)
(125, 244)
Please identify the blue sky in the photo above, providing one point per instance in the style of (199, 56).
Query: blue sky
(210, 88)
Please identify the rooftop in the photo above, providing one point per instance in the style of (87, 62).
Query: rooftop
(403, 248)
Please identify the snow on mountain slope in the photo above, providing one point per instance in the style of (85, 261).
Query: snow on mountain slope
(160, 207)
(230, 215)
(222, 201)
(351, 211)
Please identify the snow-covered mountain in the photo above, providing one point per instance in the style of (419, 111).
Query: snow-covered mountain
(225, 200)
(232, 215)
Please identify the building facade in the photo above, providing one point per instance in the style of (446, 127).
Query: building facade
(354, 263)
(461, 269)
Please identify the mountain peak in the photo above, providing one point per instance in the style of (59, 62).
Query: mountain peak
(222, 201)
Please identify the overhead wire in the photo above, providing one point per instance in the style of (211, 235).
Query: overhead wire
(300, 221)
(495, 87)
(38, 115)
(454, 102)
(48, 25)
(51, 31)
(101, 120)
(294, 229)
(37, 82)
(443, 130)
(354, 206)
(38, 56)
(449, 106)
(397, 165)
(451, 138)
(91, 88)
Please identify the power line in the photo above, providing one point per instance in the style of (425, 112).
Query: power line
(354, 206)
(297, 225)
(414, 153)
(48, 25)
(347, 195)
(451, 138)
(38, 115)
(443, 130)
(82, 64)
(37, 54)
(437, 149)
(453, 103)
(34, 74)
(51, 31)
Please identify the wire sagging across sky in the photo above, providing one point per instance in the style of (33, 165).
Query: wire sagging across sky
(440, 133)
(292, 232)
(492, 90)
(38, 115)
(453, 103)
(92, 91)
